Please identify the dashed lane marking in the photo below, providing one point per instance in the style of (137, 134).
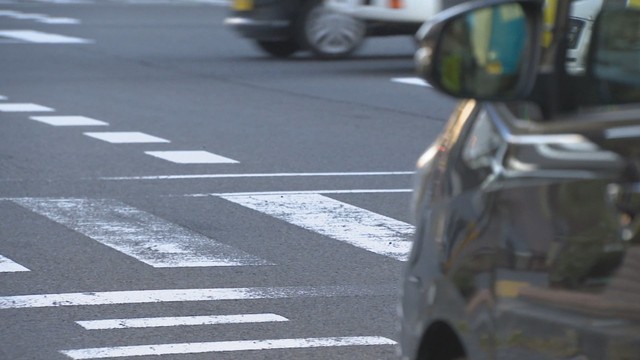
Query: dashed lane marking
(191, 157)
(24, 107)
(225, 346)
(138, 234)
(69, 121)
(32, 36)
(411, 81)
(335, 219)
(126, 137)
(41, 18)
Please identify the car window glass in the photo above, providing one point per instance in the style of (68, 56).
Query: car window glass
(603, 52)
(482, 143)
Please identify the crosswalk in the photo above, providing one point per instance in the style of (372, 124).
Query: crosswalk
(162, 244)
(159, 243)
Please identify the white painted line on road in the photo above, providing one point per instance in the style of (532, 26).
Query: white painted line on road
(23, 107)
(7, 265)
(225, 346)
(411, 81)
(191, 157)
(126, 137)
(138, 234)
(45, 19)
(304, 192)
(60, 21)
(68, 121)
(2, 97)
(184, 295)
(109, 324)
(347, 223)
(41, 37)
(265, 175)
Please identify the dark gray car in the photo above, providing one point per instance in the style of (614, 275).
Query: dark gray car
(527, 205)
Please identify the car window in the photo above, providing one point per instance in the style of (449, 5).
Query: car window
(603, 55)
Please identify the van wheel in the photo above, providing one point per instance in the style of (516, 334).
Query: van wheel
(328, 34)
(281, 48)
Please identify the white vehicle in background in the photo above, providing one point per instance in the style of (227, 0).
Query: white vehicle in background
(582, 17)
(388, 17)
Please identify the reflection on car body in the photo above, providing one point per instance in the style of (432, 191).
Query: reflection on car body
(527, 206)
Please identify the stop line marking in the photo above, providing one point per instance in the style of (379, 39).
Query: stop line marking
(187, 295)
(225, 346)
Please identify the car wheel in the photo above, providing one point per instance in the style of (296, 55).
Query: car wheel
(328, 34)
(281, 49)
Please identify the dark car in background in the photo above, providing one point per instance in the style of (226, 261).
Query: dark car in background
(284, 27)
(527, 206)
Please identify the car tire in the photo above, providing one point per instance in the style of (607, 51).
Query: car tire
(328, 34)
(280, 49)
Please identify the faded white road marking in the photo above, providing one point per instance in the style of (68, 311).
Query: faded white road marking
(225, 346)
(266, 175)
(126, 137)
(305, 192)
(353, 225)
(69, 121)
(138, 234)
(2, 97)
(23, 107)
(191, 157)
(45, 19)
(179, 321)
(411, 81)
(181, 295)
(7, 265)
(42, 37)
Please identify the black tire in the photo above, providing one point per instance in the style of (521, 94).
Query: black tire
(328, 34)
(280, 49)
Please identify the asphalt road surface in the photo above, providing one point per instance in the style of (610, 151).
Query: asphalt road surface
(167, 189)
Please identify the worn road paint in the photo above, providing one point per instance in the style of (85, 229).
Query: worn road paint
(138, 234)
(126, 137)
(42, 37)
(41, 18)
(68, 121)
(8, 265)
(225, 346)
(264, 175)
(191, 157)
(350, 224)
(108, 324)
(305, 192)
(183, 295)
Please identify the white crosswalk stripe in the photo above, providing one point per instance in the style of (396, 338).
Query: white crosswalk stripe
(8, 265)
(138, 234)
(350, 224)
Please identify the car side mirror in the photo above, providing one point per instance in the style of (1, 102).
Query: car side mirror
(487, 50)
